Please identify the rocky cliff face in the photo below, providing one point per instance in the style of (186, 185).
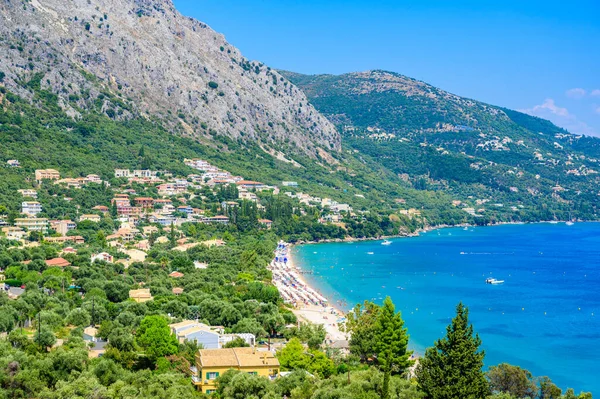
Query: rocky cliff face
(124, 57)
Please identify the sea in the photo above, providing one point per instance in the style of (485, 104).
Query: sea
(545, 317)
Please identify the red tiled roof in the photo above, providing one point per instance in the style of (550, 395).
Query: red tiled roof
(58, 262)
(249, 182)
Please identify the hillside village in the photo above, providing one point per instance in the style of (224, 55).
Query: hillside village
(138, 216)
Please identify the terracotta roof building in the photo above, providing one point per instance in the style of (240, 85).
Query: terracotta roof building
(57, 262)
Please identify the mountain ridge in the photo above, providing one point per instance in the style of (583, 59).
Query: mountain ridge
(179, 70)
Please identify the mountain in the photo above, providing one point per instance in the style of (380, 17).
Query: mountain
(476, 152)
(142, 57)
(86, 87)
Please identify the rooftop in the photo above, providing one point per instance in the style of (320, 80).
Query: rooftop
(236, 357)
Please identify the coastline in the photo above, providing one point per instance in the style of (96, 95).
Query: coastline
(427, 229)
(314, 314)
(309, 305)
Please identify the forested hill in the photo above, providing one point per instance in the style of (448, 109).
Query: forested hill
(437, 140)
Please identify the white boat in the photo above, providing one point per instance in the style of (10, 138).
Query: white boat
(493, 281)
(569, 223)
(386, 242)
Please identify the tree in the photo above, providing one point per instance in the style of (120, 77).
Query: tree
(391, 342)
(361, 324)
(237, 385)
(548, 390)
(79, 317)
(116, 291)
(513, 380)
(291, 357)
(452, 368)
(44, 338)
(294, 357)
(249, 325)
(154, 335)
(237, 342)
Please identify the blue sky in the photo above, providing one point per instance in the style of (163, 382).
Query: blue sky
(541, 57)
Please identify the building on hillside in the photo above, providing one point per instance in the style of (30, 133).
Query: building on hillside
(62, 227)
(93, 179)
(252, 185)
(91, 218)
(144, 202)
(289, 184)
(247, 195)
(144, 174)
(62, 240)
(101, 208)
(167, 189)
(58, 262)
(31, 208)
(163, 220)
(14, 233)
(217, 219)
(266, 223)
(141, 295)
(46, 174)
(188, 210)
(28, 193)
(13, 163)
(211, 363)
(102, 256)
(32, 224)
(229, 205)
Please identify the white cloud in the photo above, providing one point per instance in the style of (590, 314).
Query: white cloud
(595, 93)
(548, 106)
(560, 116)
(576, 93)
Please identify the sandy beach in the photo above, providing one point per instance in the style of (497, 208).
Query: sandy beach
(309, 305)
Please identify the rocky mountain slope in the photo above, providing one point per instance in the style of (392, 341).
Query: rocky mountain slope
(125, 57)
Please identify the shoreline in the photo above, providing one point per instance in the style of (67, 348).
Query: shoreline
(311, 313)
(309, 305)
(427, 229)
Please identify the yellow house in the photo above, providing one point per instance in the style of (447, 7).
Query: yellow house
(211, 363)
(141, 295)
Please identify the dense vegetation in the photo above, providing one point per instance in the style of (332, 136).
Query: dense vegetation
(469, 150)
(44, 354)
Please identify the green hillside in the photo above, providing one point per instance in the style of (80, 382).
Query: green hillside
(470, 150)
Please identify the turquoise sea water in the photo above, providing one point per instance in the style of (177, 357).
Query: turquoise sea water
(545, 317)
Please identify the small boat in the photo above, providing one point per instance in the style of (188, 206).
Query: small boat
(386, 242)
(370, 253)
(569, 223)
(493, 281)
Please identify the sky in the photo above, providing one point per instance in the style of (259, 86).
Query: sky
(539, 57)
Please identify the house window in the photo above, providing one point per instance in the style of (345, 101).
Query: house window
(212, 376)
(209, 391)
(253, 373)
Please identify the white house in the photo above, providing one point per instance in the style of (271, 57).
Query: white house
(31, 208)
(102, 256)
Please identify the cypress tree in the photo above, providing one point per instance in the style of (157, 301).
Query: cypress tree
(391, 344)
(453, 367)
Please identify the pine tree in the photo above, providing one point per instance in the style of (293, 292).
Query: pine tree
(453, 367)
(391, 344)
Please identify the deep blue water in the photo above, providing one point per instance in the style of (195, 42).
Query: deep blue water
(545, 317)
